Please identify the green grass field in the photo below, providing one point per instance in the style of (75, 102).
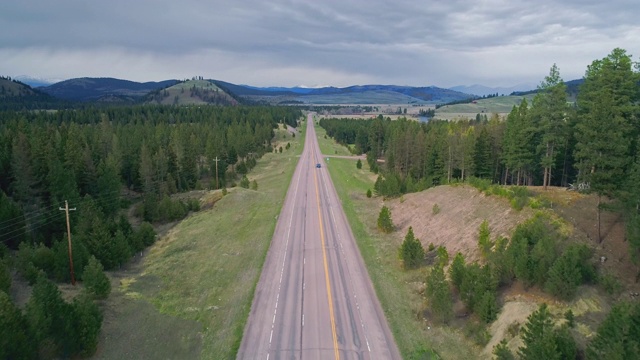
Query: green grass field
(192, 294)
(500, 105)
(399, 291)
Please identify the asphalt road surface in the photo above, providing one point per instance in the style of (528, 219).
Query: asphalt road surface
(314, 299)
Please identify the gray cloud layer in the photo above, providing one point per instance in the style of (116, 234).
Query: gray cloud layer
(279, 42)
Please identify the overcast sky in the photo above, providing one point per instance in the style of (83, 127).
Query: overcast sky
(315, 42)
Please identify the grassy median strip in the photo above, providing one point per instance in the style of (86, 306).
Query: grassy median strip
(203, 273)
(399, 291)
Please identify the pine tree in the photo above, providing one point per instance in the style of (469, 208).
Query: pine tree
(565, 343)
(566, 273)
(94, 279)
(604, 128)
(15, 338)
(439, 295)
(551, 110)
(482, 155)
(484, 239)
(385, 223)
(359, 164)
(5, 277)
(618, 337)
(46, 312)
(487, 308)
(457, 270)
(411, 251)
(538, 337)
(83, 327)
(518, 154)
(502, 352)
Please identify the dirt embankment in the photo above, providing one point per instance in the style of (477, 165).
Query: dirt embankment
(455, 226)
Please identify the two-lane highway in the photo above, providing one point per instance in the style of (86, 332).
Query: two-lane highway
(314, 299)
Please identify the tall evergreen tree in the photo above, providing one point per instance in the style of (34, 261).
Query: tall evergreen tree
(604, 129)
(550, 110)
(482, 155)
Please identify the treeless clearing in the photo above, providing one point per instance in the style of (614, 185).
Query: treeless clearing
(462, 210)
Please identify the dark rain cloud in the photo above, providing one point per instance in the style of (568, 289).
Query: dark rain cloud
(314, 42)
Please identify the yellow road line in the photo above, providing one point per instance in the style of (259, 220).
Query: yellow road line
(326, 273)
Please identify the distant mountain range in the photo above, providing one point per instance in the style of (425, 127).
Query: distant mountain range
(201, 91)
(357, 94)
(481, 90)
(92, 89)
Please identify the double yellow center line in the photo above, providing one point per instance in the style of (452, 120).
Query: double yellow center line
(326, 273)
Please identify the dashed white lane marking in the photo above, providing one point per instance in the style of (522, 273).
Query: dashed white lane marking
(333, 216)
(284, 259)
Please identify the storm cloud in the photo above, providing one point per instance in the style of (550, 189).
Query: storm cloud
(339, 43)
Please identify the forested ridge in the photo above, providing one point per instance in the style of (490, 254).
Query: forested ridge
(101, 160)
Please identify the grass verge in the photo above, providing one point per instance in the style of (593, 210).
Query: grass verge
(399, 291)
(202, 274)
(328, 146)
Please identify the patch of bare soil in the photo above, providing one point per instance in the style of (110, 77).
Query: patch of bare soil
(461, 211)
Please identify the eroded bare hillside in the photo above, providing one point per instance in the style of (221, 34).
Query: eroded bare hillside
(461, 211)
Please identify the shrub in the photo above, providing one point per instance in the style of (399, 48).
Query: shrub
(359, 164)
(610, 284)
(484, 239)
(193, 205)
(435, 210)
(369, 193)
(254, 185)
(146, 234)
(571, 322)
(244, 182)
(442, 257)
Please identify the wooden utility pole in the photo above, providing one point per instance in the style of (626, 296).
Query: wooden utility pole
(216, 160)
(66, 210)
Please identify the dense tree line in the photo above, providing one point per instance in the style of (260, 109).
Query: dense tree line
(101, 160)
(95, 154)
